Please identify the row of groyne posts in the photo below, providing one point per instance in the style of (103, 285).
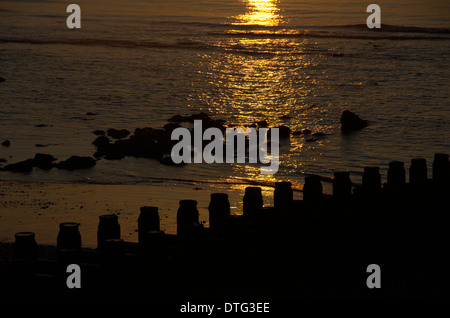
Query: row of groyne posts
(389, 224)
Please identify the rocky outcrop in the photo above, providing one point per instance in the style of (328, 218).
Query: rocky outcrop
(285, 132)
(101, 141)
(99, 132)
(263, 124)
(117, 133)
(319, 134)
(76, 162)
(351, 122)
(44, 161)
(21, 166)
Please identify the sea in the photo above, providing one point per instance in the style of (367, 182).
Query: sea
(135, 64)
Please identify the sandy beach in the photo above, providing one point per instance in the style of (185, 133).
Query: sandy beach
(40, 207)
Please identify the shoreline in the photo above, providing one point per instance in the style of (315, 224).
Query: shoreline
(40, 207)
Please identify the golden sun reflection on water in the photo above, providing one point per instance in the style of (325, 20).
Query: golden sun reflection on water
(260, 12)
(262, 74)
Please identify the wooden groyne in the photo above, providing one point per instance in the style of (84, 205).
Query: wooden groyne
(318, 246)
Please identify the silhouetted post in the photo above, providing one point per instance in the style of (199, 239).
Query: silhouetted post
(148, 221)
(342, 185)
(253, 201)
(283, 195)
(187, 217)
(396, 175)
(418, 171)
(371, 180)
(66, 256)
(441, 169)
(219, 210)
(19, 276)
(69, 236)
(108, 228)
(155, 244)
(25, 246)
(113, 250)
(312, 190)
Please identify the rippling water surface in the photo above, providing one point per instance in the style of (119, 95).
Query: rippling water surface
(137, 63)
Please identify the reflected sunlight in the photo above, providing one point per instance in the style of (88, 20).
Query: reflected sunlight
(262, 77)
(260, 12)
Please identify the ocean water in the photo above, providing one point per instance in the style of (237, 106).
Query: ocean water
(137, 63)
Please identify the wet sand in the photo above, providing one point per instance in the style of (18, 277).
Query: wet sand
(41, 207)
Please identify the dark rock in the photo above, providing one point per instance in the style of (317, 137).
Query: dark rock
(338, 54)
(3, 160)
(145, 143)
(350, 121)
(159, 135)
(119, 150)
(297, 132)
(91, 114)
(22, 166)
(306, 131)
(117, 133)
(44, 161)
(143, 133)
(221, 121)
(263, 124)
(171, 127)
(285, 117)
(285, 132)
(110, 152)
(101, 141)
(6, 143)
(319, 134)
(2, 79)
(311, 139)
(98, 154)
(169, 162)
(99, 132)
(177, 119)
(76, 162)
